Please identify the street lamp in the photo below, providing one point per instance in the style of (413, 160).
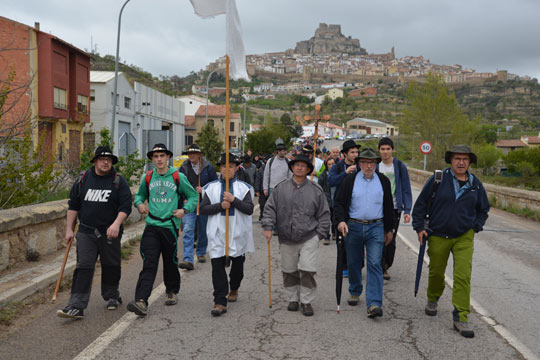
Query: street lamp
(115, 95)
(207, 84)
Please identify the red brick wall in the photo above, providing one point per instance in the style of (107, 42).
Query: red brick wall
(14, 55)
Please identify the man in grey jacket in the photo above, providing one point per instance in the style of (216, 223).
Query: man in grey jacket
(300, 212)
(276, 170)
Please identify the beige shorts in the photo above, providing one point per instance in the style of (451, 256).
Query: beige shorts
(301, 256)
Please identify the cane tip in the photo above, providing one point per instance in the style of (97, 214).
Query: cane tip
(270, 306)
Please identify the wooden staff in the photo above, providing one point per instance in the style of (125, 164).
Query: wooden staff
(316, 135)
(269, 277)
(199, 197)
(59, 281)
(227, 127)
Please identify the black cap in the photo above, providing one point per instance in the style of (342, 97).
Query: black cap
(246, 159)
(193, 148)
(307, 148)
(158, 148)
(349, 144)
(303, 158)
(232, 159)
(104, 151)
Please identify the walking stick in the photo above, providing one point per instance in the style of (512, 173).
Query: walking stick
(269, 278)
(227, 128)
(62, 271)
(199, 184)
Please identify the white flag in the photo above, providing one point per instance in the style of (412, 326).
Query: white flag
(234, 44)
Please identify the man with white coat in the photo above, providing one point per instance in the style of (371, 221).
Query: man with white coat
(239, 201)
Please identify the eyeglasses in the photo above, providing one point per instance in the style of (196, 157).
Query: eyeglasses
(363, 162)
(105, 159)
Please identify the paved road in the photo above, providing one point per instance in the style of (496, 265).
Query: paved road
(505, 284)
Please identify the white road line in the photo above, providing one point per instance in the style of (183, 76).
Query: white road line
(115, 330)
(484, 315)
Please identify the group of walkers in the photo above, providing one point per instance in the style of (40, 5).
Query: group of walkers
(358, 193)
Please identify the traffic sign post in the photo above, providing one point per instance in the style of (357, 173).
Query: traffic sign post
(425, 148)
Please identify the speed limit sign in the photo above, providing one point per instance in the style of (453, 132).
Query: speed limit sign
(426, 147)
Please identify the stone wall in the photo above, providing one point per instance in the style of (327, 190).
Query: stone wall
(35, 229)
(505, 197)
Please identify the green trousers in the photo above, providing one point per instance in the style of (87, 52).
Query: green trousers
(439, 249)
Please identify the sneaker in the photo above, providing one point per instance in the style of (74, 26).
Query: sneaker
(326, 242)
(113, 304)
(70, 312)
(374, 311)
(463, 329)
(431, 308)
(293, 306)
(353, 300)
(172, 299)
(307, 310)
(201, 258)
(346, 273)
(386, 275)
(186, 265)
(218, 310)
(233, 296)
(139, 307)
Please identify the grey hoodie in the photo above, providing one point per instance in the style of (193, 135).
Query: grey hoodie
(299, 211)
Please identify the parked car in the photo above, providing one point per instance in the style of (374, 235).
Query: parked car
(236, 152)
(327, 137)
(341, 137)
(349, 137)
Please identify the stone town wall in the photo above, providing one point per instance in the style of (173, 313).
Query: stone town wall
(35, 229)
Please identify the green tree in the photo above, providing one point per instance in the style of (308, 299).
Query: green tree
(488, 155)
(211, 146)
(434, 115)
(263, 140)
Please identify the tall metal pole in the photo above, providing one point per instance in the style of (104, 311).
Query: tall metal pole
(244, 133)
(115, 95)
(208, 84)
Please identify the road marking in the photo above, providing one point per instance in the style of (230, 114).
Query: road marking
(484, 315)
(116, 329)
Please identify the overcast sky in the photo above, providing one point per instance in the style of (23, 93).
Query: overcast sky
(166, 37)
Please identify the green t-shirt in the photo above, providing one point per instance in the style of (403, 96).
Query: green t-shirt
(163, 194)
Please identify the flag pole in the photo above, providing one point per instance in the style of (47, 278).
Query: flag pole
(227, 127)
(316, 135)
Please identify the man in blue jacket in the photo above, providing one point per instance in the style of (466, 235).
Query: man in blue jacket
(458, 208)
(396, 172)
(199, 173)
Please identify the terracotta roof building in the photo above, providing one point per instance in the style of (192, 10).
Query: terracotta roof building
(216, 117)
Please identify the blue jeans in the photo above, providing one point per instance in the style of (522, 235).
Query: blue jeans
(372, 237)
(189, 235)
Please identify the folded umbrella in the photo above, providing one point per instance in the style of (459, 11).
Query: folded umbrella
(339, 267)
(421, 253)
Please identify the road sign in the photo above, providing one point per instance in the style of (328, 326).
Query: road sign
(426, 147)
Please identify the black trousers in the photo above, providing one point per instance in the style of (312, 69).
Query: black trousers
(389, 251)
(219, 277)
(262, 202)
(157, 241)
(89, 246)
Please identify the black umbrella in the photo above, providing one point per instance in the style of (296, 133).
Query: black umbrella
(421, 253)
(339, 267)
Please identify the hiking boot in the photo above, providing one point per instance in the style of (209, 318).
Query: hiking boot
(113, 304)
(326, 242)
(386, 275)
(374, 311)
(139, 307)
(69, 312)
(293, 306)
(463, 329)
(186, 265)
(307, 310)
(218, 309)
(233, 296)
(172, 299)
(201, 258)
(353, 300)
(334, 236)
(431, 308)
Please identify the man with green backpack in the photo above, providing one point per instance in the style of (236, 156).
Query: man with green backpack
(162, 187)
